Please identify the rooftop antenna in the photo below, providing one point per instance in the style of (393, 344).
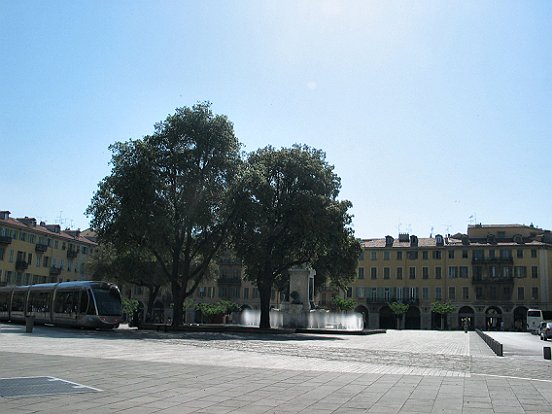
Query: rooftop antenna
(473, 219)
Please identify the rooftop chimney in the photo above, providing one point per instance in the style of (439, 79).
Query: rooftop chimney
(404, 237)
(28, 221)
(54, 228)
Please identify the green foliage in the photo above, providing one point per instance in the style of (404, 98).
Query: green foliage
(343, 304)
(212, 310)
(399, 308)
(167, 196)
(338, 263)
(442, 307)
(229, 306)
(134, 266)
(130, 307)
(288, 215)
(188, 304)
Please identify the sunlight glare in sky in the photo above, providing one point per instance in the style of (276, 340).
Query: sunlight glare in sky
(435, 114)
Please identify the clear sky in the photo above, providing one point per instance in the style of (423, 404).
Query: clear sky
(435, 113)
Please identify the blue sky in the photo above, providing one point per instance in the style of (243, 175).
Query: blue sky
(435, 114)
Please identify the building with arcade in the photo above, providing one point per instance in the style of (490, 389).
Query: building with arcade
(492, 275)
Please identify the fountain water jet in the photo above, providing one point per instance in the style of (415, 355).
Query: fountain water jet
(298, 313)
(314, 319)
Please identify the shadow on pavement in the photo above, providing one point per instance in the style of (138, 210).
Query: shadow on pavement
(138, 334)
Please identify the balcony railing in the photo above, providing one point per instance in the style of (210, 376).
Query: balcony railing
(384, 300)
(235, 281)
(41, 248)
(55, 271)
(492, 280)
(21, 265)
(5, 239)
(493, 260)
(71, 253)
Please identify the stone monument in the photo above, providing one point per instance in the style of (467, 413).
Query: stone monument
(301, 297)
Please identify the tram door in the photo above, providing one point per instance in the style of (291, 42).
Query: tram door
(66, 306)
(39, 305)
(86, 306)
(5, 297)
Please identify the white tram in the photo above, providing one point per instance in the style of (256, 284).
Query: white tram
(77, 304)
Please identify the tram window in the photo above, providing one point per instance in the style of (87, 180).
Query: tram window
(39, 302)
(91, 308)
(4, 298)
(66, 302)
(18, 302)
(46, 300)
(84, 302)
(31, 303)
(59, 304)
(108, 301)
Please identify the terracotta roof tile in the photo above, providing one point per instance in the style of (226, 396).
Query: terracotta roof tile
(42, 230)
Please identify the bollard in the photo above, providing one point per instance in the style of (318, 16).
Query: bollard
(29, 324)
(546, 351)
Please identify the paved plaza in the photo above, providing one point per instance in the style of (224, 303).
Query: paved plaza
(130, 371)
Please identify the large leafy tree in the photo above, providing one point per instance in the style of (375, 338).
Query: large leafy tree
(287, 215)
(167, 195)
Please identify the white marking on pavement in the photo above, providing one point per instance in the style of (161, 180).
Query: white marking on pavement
(75, 385)
(511, 377)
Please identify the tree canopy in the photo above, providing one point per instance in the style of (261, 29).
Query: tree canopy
(343, 304)
(287, 214)
(168, 195)
(442, 307)
(135, 266)
(399, 308)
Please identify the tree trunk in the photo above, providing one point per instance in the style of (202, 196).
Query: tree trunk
(178, 300)
(264, 293)
(151, 298)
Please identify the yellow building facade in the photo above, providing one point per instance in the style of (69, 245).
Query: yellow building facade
(492, 275)
(32, 252)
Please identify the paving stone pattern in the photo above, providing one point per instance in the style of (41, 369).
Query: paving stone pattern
(398, 372)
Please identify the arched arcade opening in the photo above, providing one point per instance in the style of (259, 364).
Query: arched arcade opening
(364, 311)
(520, 319)
(466, 313)
(387, 319)
(413, 319)
(493, 318)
